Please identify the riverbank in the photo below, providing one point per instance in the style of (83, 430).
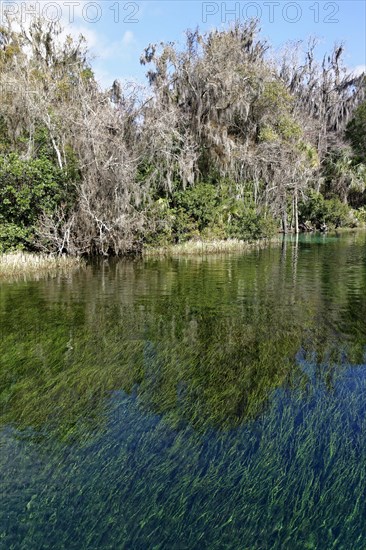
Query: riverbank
(20, 264)
(193, 247)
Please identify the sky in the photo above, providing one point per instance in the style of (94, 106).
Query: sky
(118, 31)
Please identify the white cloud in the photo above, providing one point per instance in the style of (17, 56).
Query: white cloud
(103, 77)
(121, 49)
(359, 69)
(92, 38)
(128, 38)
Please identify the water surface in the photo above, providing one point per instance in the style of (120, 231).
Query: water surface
(188, 403)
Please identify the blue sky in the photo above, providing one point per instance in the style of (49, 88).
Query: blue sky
(118, 31)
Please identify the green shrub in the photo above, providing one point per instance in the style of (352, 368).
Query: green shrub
(329, 212)
(13, 237)
(215, 231)
(198, 203)
(360, 214)
(250, 224)
(27, 189)
(184, 226)
(356, 132)
(209, 212)
(159, 224)
(336, 213)
(168, 225)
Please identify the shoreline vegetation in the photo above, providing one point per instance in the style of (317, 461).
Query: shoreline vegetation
(228, 144)
(14, 265)
(19, 264)
(195, 247)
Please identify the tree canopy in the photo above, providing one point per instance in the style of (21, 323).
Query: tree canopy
(91, 171)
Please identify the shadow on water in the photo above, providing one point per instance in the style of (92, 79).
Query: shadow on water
(202, 402)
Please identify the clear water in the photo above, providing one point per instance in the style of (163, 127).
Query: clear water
(205, 402)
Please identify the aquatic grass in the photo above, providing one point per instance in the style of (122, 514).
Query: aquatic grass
(169, 403)
(197, 246)
(19, 265)
(271, 483)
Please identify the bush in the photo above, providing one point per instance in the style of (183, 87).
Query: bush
(13, 237)
(336, 213)
(250, 224)
(184, 226)
(209, 212)
(321, 212)
(356, 132)
(360, 214)
(198, 203)
(168, 225)
(27, 189)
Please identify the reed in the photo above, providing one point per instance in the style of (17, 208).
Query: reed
(21, 264)
(208, 247)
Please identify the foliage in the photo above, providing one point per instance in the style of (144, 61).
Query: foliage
(209, 212)
(28, 188)
(325, 213)
(361, 214)
(14, 237)
(200, 203)
(356, 132)
(106, 172)
(248, 223)
(343, 176)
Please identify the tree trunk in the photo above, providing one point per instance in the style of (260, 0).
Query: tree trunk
(284, 219)
(296, 212)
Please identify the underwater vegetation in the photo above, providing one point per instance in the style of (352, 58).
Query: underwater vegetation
(192, 402)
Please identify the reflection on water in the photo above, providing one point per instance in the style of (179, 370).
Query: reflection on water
(204, 402)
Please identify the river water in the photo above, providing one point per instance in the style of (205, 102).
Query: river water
(188, 403)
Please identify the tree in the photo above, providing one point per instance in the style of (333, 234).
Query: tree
(53, 88)
(356, 132)
(223, 111)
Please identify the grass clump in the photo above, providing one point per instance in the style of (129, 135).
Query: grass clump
(198, 246)
(20, 264)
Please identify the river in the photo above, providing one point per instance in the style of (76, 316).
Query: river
(188, 403)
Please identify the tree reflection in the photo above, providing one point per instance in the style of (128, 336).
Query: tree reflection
(202, 341)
